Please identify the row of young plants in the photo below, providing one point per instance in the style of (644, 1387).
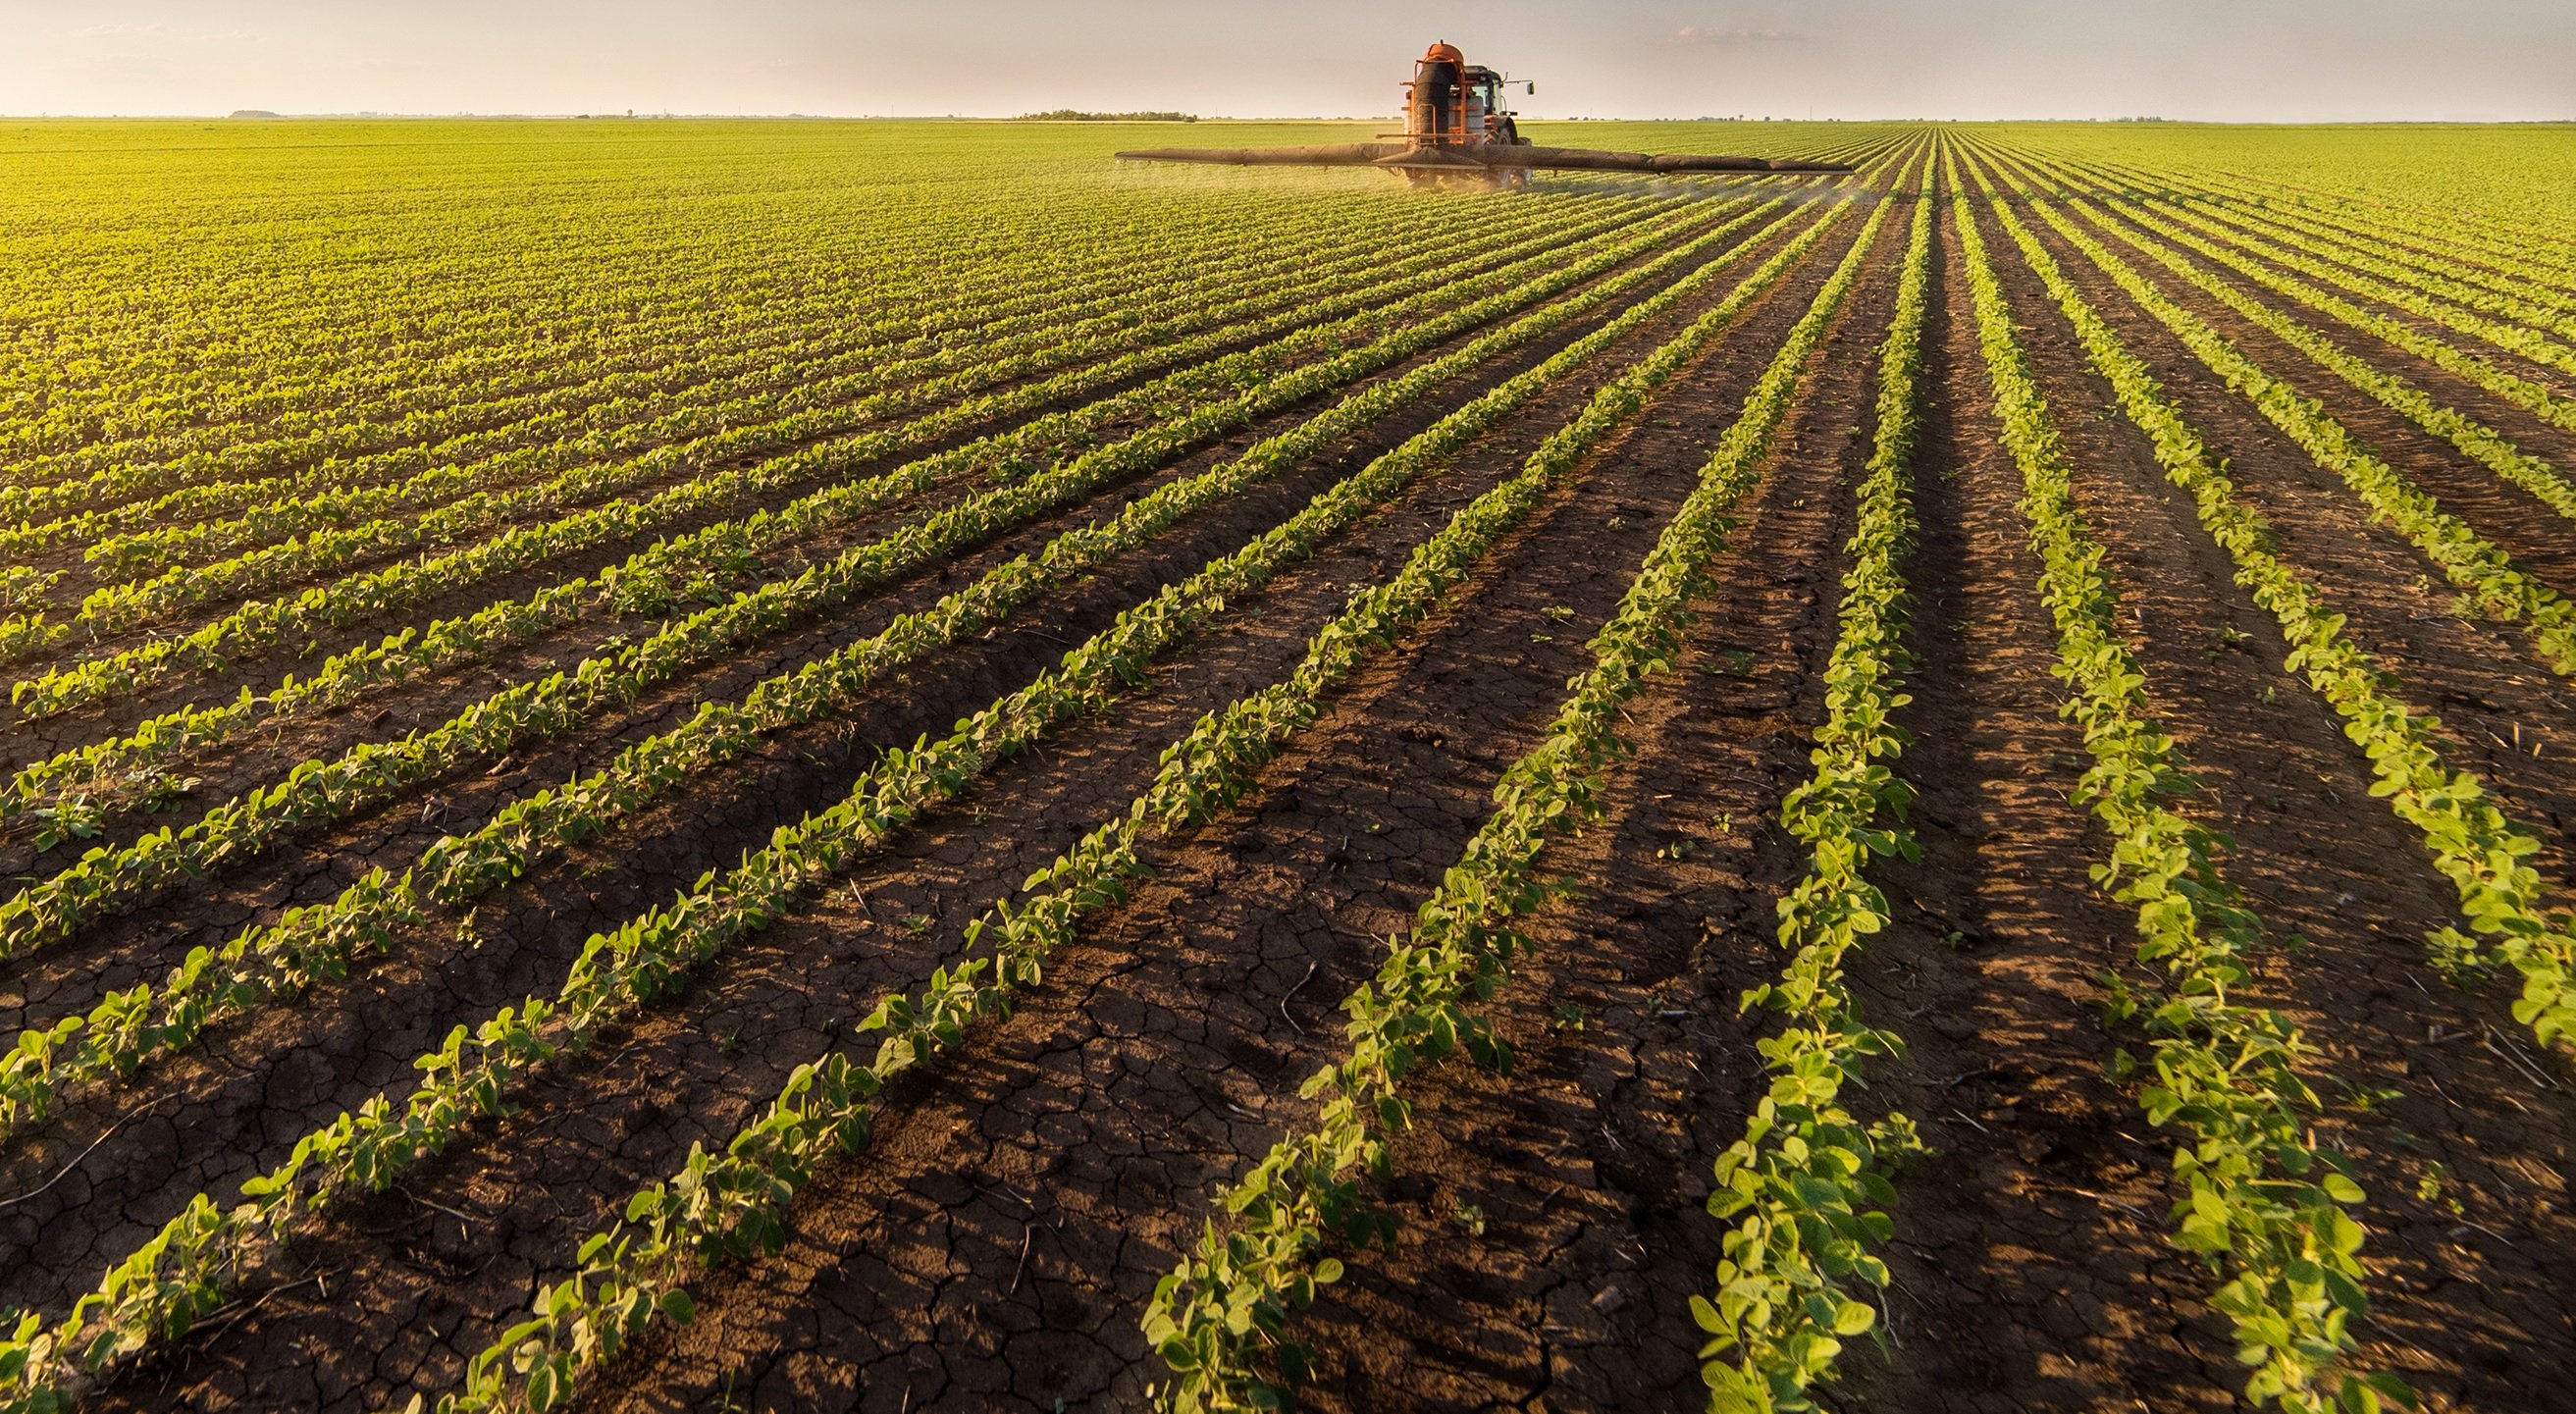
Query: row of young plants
(2262, 1202)
(237, 473)
(1218, 1322)
(627, 414)
(488, 297)
(462, 867)
(2476, 243)
(2500, 296)
(1077, 231)
(2203, 196)
(834, 367)
(132, 1028)
(2463, 253)
(269, 375)
(2475, 259)
(731, 1205)
(944, 231)
(140, 763)
(2286, 250)
(2478, 848)
(2532, 397)
(762, 423)
(2525, 275)
(332, 540)
(984, 391)
(2484, 238)
(2482, 852)
(2474, 439)
(405, 264)
(621, 443)
(1804, 1190)
(2484, 573)
(316, 791)
(184, 1271)
(693, 304)
(805, 299)
(273, 338)
(393, 292)
(698, 560)
(280, 408)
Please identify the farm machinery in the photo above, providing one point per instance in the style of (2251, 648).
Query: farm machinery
(1456, 128)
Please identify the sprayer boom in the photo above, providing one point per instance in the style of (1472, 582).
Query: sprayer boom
(1455, 126)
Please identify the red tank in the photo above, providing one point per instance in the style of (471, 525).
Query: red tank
(1452, 103)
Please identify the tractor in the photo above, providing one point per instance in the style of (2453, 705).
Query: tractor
(1456, 130)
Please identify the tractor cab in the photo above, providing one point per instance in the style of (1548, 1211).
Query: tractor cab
(1485, 106)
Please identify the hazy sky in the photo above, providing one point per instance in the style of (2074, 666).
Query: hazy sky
(2219, 59)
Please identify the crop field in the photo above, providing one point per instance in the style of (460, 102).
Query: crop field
(811, 765)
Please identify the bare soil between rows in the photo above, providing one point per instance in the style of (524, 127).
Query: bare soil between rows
(117, 951)
(1028, 822)
(248, 1094)
(993, 1243)
(1167, 1046)
(2464, 1305)
(259, 669)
